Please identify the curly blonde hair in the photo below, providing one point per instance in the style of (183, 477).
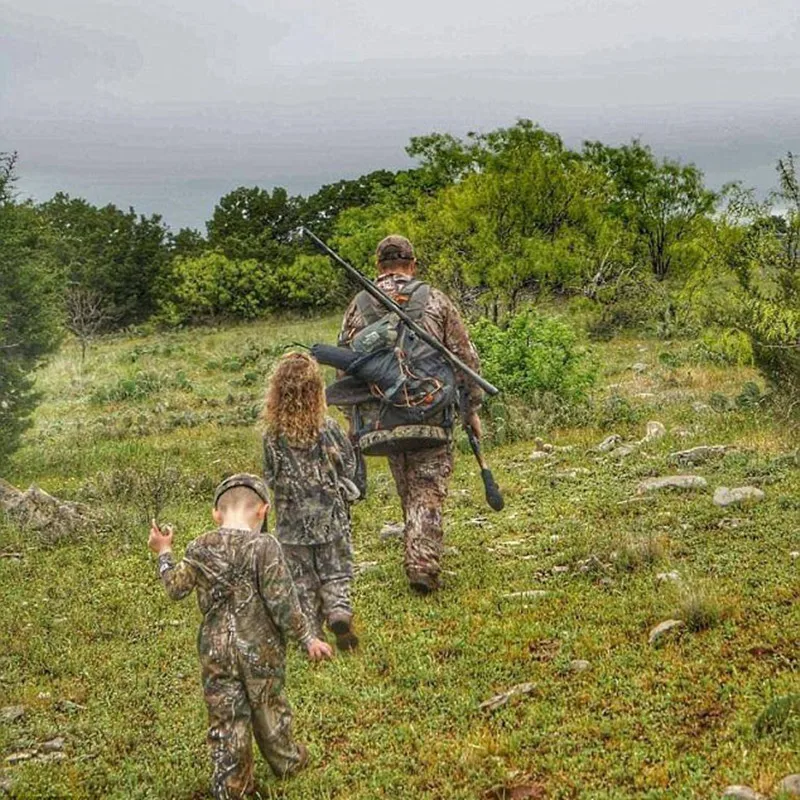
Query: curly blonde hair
(295, 405)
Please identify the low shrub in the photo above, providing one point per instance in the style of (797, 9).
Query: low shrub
(535, 357)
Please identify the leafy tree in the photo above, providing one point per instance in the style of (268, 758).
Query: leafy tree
(187, 242)
(661, 203)
(117, 255)
(28, 309)
(320, 210)
(750, 281)
(252, 223)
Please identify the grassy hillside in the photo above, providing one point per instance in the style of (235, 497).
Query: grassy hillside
(96, 654)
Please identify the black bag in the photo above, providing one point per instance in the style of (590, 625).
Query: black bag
(392, 377)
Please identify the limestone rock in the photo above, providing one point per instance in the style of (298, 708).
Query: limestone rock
(790, 785)
(392, 530)
(655, 431)
(539, 455)
(36, 509)
(742, 793)
(499, 700)
(531, 594)
(668, 577)
(11, 714)
(53, 745)
(794, 555)
(671, 482)
(741, 495)
(609, 443)
(579, 665)
(638, 367)
(665, 629)
(701, 454)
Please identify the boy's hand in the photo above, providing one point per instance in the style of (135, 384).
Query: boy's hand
(319, 650)
(160, 541)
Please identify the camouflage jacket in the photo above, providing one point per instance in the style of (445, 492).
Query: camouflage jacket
(246, 595)
(309, 505)
(441, 319)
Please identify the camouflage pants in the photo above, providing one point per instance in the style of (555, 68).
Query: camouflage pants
(322, 574)
(238, 709)
(421, 478)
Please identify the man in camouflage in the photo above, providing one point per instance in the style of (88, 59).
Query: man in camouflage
(422, 476)
(249, 605)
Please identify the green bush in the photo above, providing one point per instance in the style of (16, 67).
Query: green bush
(213, 286)
(534, 357)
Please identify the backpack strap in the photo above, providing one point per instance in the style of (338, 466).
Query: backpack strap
(417, 294)
(413, 300)
(369, 308)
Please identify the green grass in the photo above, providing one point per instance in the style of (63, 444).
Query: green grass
(95, 652)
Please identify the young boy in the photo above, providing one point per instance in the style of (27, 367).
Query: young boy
(249, 605)
(309, 465)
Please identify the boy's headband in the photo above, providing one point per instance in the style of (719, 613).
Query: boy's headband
(242, 479)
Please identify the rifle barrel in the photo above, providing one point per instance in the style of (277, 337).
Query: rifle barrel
(390, 304)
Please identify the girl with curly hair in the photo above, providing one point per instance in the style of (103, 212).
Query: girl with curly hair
(309, 465)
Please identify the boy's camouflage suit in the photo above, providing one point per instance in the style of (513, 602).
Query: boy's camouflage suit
(313, 518)
(249, 604)
(422, 477)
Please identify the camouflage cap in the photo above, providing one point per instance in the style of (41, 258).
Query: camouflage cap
(394, 248)
(242, 479)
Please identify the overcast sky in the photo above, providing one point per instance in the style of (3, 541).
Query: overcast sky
(168, 105)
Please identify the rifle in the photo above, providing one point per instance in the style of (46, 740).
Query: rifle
(493, 496)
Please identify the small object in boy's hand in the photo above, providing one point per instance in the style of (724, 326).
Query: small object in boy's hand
(159, 540)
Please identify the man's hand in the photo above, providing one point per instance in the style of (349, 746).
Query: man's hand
(474, 421)
(319, 650)
(160, 541)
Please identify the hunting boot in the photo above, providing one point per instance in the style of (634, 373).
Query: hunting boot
(423, 582)
(342, 626)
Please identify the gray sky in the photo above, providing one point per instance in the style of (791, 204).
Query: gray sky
(168, 105)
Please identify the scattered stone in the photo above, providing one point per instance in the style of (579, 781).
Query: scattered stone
(701, 454)
(11, 714)
(449, 551)
(609, 443)
(579, 665)
(499, 700)
(12, 556)
(531, 594)
(730, 523)
(623, 451)
(571, 474)
(560, 570)
(592, 564)
(554, 537)
(681, 433)
(645, 395)
(42, 512)
(478, 521)
(45, 757)
(668, 577)
(724, 496)
(665, 629)
(742, 793)
(794, 555)
(654, 431)
(671, 482)
(638, 367)
(539, 455)
(790, 785)
(392, 530)
(20, 756)
(701, 408)
(365, 566)
(69, 707)
(542, 446)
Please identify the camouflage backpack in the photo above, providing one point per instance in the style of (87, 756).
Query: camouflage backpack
(395, 382)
